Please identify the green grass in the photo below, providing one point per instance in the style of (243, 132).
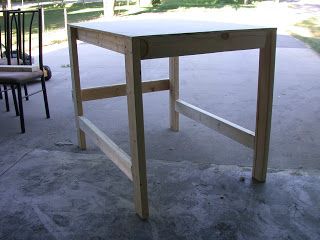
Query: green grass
(54, 17)
(80, 12)
(167, 5)
(77, 12)
(313, 25)
(173, 4)
(314, 43)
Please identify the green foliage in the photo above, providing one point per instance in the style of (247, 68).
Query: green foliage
(156, 2)
(313, 25)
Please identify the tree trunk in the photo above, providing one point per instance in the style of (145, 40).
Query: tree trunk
(145, 3)
(8, 4)
(108, 7)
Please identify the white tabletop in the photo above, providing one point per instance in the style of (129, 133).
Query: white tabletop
(149, 27)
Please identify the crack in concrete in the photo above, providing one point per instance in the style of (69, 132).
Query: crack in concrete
(49, 224)
(15, 163)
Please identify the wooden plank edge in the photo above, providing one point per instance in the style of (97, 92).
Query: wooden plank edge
(106, 40)
(225, 127)
(117, 90)
(158, 46)
(19, 68)
(120, 158)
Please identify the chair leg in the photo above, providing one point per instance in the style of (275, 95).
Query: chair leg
(13, 90)
(1, 93)
(45, 97)
(26, 92)
(6, 97)
(21, 109)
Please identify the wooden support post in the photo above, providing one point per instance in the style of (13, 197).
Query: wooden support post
(65, 17)
(136, 127)
(174, 92)
(76, 86)
(264, 106)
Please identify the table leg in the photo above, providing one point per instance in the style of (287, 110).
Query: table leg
(136, 129)
(174, 92)
(264, 107)
(76, 87)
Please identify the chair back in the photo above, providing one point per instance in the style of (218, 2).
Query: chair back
(20, 33)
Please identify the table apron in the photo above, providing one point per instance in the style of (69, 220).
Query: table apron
(103, 39)
(201, 43)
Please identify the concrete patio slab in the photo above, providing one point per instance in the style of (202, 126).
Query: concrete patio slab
(59, 195)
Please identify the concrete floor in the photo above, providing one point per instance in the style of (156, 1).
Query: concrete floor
(59, 195)
(50, 190)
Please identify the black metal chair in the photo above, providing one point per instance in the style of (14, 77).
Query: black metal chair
(18, 80)
(14, 25)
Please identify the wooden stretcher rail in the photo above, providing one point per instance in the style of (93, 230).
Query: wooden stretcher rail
(229, 129)
(118, 90)
(112, 150)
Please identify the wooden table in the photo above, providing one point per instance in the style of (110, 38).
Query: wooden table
(139, 40)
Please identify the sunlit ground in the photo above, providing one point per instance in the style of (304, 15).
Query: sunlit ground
(309, 31)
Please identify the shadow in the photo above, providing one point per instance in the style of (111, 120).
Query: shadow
(313, 42)
(290, 1)
(287, 41)
(315, 8)
(74, 6)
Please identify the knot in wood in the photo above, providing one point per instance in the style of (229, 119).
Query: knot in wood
(225, 36)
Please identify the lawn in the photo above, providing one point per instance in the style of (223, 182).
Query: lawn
(167, 5)
(77, 12)
(309, 32)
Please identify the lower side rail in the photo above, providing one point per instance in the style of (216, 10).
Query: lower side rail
(229, 129)
(120, 158)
